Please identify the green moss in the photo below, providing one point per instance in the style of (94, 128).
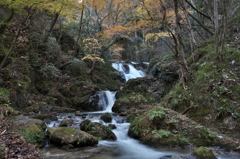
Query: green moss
(33, 133)
(4, 96)
(2, 149)
(107, 117)
(204, 153)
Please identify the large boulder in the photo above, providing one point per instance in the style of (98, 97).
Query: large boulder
(31, 129)
(162, 126)
(204, 153)
(98, 130)
(68, 136)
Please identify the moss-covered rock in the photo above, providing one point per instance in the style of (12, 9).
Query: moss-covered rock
(45, 117)
(98, 130)
(160, 126)
(31, 129)
(107, 118)
(65, 123)
(76, 67)
(65, 136)
(204, 153)
(164, 68)
(140, 91)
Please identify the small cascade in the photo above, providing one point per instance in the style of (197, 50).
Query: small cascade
(128, 71)
(124, 147)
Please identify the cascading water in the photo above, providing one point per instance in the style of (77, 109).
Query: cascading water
(124, 147)
(128, 71)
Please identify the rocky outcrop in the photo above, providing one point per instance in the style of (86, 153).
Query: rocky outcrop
(98, 130)
(162, 126)
(68, 136)
(140, 91)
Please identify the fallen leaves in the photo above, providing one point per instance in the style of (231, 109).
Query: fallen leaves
(15, 146)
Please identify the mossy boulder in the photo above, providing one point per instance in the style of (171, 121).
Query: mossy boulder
(131, 102)
(45, 117)
(98, 130)
(68, 136)
(164, 68)
(31, 129)
(6, 111)
(76, 67)
(107, 118)
(204, 153)
(140, 91)
(162, 126)
(65, 123)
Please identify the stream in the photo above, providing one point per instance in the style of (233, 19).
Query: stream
(124, 147)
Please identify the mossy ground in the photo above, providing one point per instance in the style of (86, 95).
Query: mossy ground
(213, 93)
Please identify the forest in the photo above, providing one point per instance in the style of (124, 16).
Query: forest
(75, 72)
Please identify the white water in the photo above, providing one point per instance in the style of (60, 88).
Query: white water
(124, 147)
(109, 103)
(133, 73)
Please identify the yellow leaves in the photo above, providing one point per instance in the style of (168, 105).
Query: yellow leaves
(155, 36)
(93, 57)
(91, 49)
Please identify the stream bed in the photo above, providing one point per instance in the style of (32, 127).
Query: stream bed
(124, 147)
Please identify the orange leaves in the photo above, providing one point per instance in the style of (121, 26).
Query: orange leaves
(118, 30)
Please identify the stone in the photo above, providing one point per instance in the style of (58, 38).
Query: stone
(204, 153)
(65, 123)
(98, 130)
(77, 113)
(107, 118)
(68, 136)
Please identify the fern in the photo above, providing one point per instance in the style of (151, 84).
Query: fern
(156, 115)
(162, 133)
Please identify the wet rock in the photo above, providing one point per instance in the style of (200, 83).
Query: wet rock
(65, 136)
(204, 153)
(177, 157)
(98, 130)
(45, 117)
(112, 126)
(66, 123)
(77, 113)
(62, 109)
(107, 118)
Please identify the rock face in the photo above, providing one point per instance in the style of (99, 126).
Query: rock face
(98, 130)
(138, 91)
(68, 136)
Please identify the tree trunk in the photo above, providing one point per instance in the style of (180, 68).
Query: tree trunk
(179, 46)
(80, 29)
(16, 37)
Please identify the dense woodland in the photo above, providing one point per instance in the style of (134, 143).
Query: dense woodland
(56, 54)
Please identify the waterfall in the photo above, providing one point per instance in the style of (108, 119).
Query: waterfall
(124, 147)
(106, 101)
(128, 71)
